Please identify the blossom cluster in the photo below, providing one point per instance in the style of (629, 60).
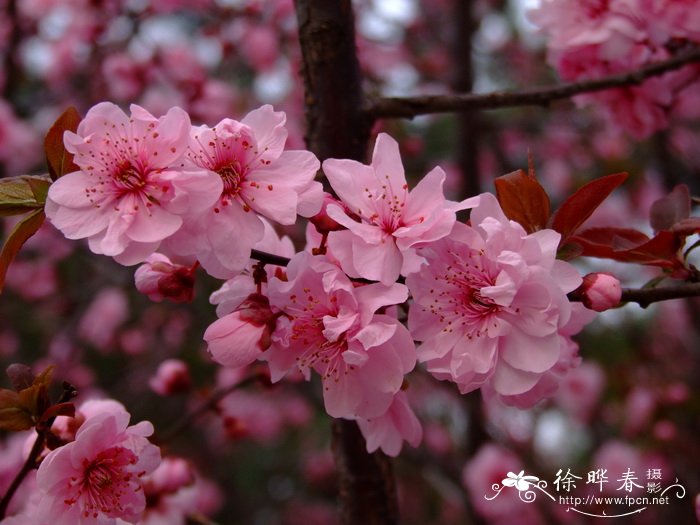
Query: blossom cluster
(591, 39)
(486, 300)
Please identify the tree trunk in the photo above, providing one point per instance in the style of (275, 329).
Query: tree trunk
(337, 126)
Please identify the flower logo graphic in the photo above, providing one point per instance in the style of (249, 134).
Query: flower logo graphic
(519, 481)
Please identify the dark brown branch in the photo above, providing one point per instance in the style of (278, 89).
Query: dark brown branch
(269, 258)
(645, 296)
(469, 130)
(338, 128)
(335, 125)
(409, 107)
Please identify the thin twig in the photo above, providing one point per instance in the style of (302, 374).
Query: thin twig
(30, 463)
(204, 407)
(409, 107)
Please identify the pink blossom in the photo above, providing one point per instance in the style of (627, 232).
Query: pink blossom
(569, 360)
(172, 376)
(234, 291)
(491, 302)
(391, 429)
(259, 177)
(330, 326)
(72, 479)
(130, 191)
(159, 278)
(239, 338)
(393, 222)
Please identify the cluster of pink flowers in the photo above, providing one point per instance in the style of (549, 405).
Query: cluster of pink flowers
(490, 307)
(143, 180)
(593, 38)
(489, 302)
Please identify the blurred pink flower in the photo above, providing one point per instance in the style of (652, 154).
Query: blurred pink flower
(98, 477)
(390, 223)
(130, 192)
(172, 377)
(105, 314)
(175, 491)
(332, 327)
(488, 468)
(491, 302)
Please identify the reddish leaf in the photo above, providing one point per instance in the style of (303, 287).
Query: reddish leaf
(24, 229)
(631, 246)
(13, 415)
(668, 210)
(59, 409)
(687, 226)
(523, 199)
(578, 207)
(59, 160)
(20, 375)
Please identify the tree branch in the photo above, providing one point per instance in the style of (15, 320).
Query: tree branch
(645, 296)
(409, 107)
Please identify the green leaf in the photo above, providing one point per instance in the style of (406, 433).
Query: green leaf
(22, 194)
(39, 186)
(59, 160)
(24, 229)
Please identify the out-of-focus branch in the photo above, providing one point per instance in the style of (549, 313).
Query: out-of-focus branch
(645, 296)
(409, 107)
(205, 406)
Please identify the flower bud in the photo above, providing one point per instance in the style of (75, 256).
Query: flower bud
(159, 279)
(600, 291)
(172, 376)
(237, 339)
(322, 221)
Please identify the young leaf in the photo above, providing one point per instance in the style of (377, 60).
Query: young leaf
(523, 199)
(578, 207)
(21, 376)
(59, 160)
(13, 415)
(670, 209)
(24, 229)
(21, 194)
(631, 246)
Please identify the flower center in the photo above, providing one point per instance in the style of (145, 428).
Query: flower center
(459, 304)
(105, 482)
(232, 176)
(129, 177)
